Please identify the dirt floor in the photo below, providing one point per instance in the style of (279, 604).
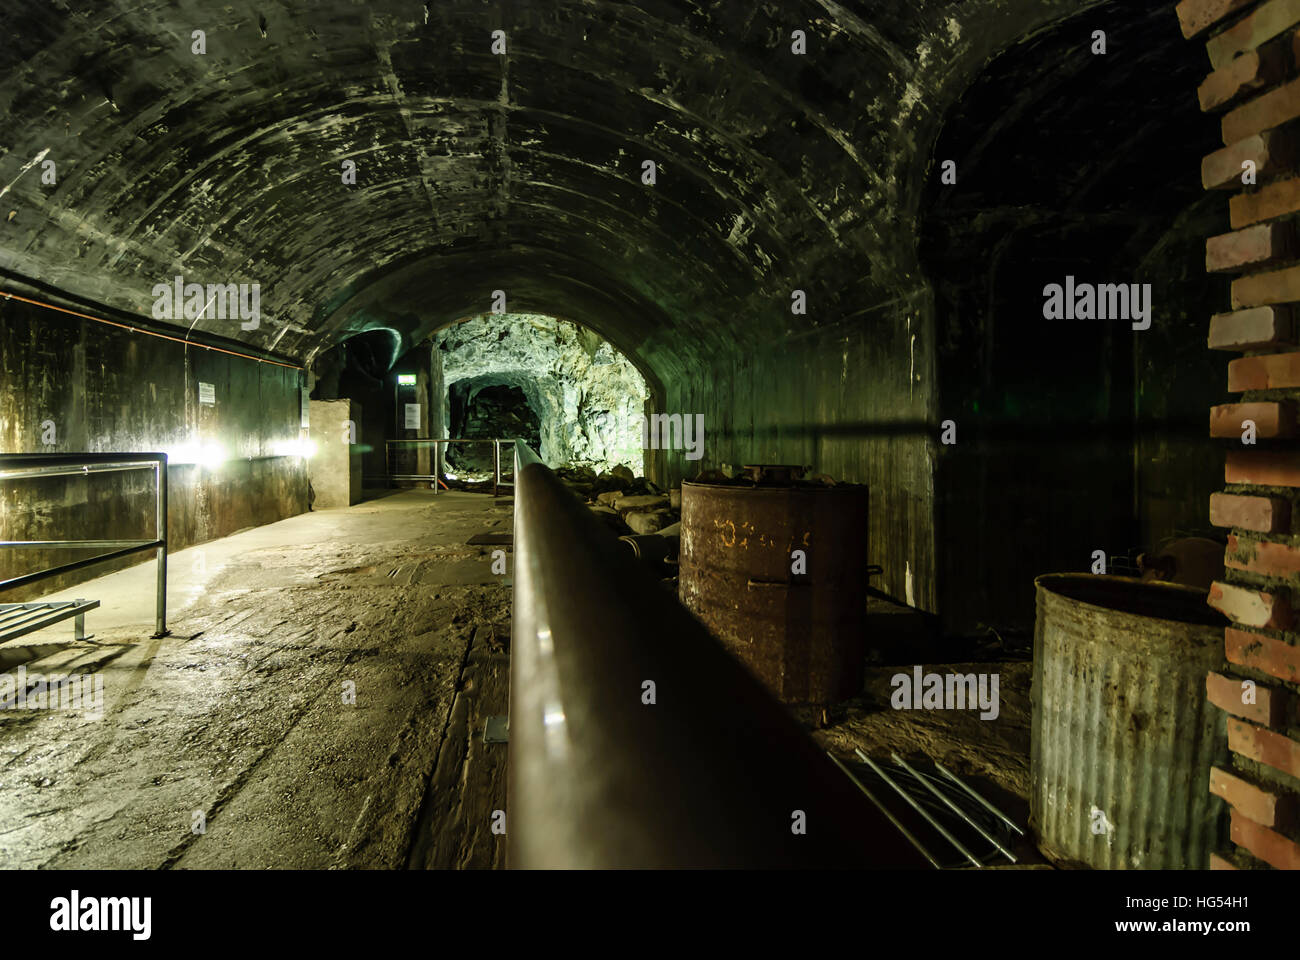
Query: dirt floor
(321, 701)
(991, 756)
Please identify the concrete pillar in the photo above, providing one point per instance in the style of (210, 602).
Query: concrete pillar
(335, 469)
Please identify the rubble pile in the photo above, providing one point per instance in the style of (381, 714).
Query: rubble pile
(628, 504)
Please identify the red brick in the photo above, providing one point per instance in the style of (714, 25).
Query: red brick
(1265, 746)
(1261, 652)
(1246, 248)
(1265, 468)
(1252, 608)
(1269, 708)
(1268, 110)
(1261, 514)
(1274, 200)
(1267, 21)
(1247, 74)
(1268, 845)
(1221, 863)
(1261, 556)
(1272, 372)
(1271, 151)
(1195, 16)
(1271, 420)
(1259, 328)
(1266, 808)
(1276, 286)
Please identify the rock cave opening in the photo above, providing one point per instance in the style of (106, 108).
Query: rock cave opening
(562, 386)
(488, 407)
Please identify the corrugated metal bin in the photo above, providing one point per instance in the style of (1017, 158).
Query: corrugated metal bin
(1122, 736)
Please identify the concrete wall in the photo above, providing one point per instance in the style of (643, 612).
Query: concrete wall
(90, 387)
(854, 403)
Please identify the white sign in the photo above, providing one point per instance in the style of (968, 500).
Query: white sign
(412, 416)
(207, 393)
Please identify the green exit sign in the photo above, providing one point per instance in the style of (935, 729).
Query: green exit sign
(406, 379)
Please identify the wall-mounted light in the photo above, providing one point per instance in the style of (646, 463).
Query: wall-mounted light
(406, 379)
(209, 455)
(304, 448)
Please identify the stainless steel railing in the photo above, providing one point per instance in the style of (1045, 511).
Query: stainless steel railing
(636, 740)
(436, 476)
(14, 466)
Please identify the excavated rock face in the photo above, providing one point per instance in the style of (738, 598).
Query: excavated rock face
(488, 412)
(581, 389)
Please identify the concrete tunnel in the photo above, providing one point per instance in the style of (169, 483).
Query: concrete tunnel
(291, 246)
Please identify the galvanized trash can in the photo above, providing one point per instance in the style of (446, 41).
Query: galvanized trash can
(1122, 735)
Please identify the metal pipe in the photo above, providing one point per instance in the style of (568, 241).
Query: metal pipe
(987, 806)
(160, 531)
(943, 831)
(885, 810)
(44, 472)
(636, 740)
(62, 459)
(496, 467)
(925, 782)
(73, 544)
(39, 575)
(9, 295)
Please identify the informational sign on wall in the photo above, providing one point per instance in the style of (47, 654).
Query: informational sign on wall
(412, 416)
(207, 393)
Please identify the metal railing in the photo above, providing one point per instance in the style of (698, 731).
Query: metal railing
(15, 466)
(636, 740)
(437, 474)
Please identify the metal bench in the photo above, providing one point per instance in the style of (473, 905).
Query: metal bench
(37, 466)
(17, 619)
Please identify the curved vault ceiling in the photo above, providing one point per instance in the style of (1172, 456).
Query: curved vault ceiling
(478, 172)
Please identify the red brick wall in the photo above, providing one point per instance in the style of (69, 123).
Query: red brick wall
(1253, 88)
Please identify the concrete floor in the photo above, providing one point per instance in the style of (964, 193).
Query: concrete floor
(229, 743)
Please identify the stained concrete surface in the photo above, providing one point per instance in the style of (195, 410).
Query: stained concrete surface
(238, 717)
(239, 714)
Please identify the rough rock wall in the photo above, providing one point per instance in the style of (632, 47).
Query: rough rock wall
(578, 385)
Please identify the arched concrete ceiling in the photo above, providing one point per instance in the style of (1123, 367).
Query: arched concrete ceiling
(478, 172)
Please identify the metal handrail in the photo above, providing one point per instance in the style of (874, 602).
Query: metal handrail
(15, 466)
(437, 442)
(713, 773)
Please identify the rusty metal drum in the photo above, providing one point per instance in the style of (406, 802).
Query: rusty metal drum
(797, 620)
(1122, 737)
